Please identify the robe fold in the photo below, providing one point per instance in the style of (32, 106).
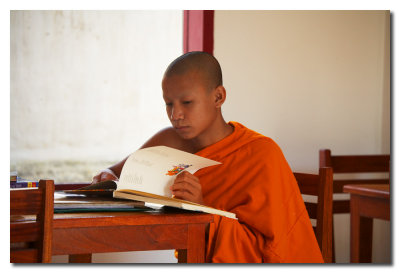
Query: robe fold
(255, 182)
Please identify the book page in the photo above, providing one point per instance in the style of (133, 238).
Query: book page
(172, 202)
(154, 169)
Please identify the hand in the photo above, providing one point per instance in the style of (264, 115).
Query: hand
(104, 175)
(187, 187)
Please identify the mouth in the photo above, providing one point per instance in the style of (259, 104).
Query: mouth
(181, 128)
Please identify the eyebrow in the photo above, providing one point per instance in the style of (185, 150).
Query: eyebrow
(184, 94)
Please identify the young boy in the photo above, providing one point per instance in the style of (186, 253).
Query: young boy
(254, 180)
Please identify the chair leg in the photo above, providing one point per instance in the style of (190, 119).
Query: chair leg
(333, 241)
(80, 258)
(182, 255)
(366, 240)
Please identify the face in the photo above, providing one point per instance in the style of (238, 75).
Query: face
(191, 108)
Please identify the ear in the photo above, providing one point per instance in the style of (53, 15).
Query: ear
(219, 96)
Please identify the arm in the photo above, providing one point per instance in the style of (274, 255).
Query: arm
(166, 137)
(117, 167)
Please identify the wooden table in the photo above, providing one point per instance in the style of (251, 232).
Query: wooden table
(80, 234)
(366, 202)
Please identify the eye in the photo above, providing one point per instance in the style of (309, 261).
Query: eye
(187, 102)
(168, 104)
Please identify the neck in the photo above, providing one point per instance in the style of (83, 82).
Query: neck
(220, 130)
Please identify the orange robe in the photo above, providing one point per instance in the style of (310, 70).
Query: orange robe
(255, 182)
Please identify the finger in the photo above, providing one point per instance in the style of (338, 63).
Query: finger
(186, 181)
(107, 176)
(186, 176)
(193, 196)
(190, 186)
(187, 186)
(188, 191)
(95, 180)
(185, 195)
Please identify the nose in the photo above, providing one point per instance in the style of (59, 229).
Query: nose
(176, 113)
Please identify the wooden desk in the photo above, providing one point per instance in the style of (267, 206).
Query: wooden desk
(80, 234)
(366, 202)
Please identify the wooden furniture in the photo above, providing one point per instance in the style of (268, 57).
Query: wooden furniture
(366, 202)
(31, 241)
(352, 164)
(319, 185)
(80, 234)
(130, 231)
(70, 186)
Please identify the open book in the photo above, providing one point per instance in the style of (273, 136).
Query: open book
(148, 174)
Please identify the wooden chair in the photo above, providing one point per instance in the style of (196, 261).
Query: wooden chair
(352, 164)
(319, 185)
(30, 241)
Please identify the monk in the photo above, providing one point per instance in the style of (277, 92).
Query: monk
(254, 180)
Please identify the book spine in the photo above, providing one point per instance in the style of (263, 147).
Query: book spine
(23, 185)
(13, 176)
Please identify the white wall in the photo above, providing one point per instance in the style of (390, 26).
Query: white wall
(86, 91)
(87, 84)
(311, 80)
(86, 87)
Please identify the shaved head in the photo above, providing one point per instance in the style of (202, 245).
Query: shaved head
(198, 62)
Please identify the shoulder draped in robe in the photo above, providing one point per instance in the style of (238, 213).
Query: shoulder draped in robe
(255, 182)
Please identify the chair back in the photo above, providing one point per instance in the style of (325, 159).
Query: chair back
(353, 164)
(319, 185)
(30, 241)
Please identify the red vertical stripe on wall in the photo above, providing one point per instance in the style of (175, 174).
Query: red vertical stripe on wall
(198, 30)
